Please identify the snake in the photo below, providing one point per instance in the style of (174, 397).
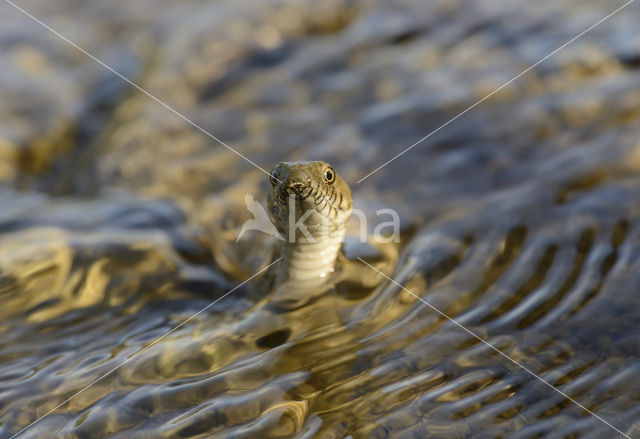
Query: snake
(310, 204)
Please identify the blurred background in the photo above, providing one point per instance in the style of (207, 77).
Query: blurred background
(521, 218)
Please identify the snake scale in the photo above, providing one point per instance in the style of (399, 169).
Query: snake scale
(310, 204)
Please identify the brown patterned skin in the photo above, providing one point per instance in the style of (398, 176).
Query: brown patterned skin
(314, 197)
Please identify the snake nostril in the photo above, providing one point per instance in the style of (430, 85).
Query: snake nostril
(296, 187)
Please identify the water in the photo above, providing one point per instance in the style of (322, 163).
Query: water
(520, 219)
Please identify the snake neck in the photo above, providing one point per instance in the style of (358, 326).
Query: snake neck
(310, 261)
(309, 205)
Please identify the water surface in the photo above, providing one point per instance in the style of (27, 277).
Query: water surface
(520, 219)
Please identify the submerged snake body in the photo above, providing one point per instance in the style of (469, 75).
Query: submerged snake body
(310, 205)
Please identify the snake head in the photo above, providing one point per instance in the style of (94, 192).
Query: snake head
(309, 190)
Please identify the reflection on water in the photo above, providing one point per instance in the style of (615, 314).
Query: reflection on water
(119, 220)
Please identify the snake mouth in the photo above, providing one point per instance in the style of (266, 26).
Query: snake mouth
(298, 200)
(300, 190)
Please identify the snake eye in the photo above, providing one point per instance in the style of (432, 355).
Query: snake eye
(329, 175)
(274, 177)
